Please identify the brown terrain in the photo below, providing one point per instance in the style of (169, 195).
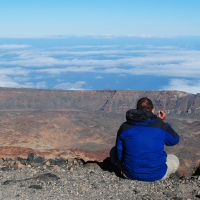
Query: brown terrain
(84, 123)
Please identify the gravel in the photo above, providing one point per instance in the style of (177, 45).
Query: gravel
(78, 180)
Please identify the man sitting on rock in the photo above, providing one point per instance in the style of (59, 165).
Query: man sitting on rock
(139, 152)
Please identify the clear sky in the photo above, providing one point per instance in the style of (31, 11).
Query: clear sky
(36, 18)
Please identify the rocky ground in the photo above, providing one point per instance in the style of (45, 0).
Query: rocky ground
(37, 178)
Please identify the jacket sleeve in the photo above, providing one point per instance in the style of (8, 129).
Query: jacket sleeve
(119, 146)
(120, 139)
(171, 137)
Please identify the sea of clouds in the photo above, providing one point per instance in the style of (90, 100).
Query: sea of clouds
(94, 64)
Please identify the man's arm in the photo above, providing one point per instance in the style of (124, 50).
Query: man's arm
(171, 137)
(119, 148)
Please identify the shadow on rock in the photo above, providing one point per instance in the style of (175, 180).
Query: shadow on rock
(106, 165)
(47, 177)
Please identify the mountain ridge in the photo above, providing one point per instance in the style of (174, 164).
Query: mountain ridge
(174, 102)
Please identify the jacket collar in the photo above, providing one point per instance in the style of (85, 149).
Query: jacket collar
(135, 115)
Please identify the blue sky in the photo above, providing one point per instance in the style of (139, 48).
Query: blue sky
(36, 18)
(100, 44)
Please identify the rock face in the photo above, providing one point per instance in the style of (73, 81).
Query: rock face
(174, 102)
(84, 123)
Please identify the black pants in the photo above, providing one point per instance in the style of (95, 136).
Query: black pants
(114, 160)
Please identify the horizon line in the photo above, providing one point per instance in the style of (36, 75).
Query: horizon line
(94, 36)
(48, 89)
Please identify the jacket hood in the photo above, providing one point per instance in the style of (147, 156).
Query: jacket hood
(135, 115)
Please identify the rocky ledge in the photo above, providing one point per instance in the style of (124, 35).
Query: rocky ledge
(38, 178)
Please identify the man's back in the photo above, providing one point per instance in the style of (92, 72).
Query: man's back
(140, 145)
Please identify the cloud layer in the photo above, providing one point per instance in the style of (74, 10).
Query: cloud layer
(190, 86)
(23, 65)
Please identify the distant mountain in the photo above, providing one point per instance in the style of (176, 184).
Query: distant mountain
(85, 122)
(179, 104)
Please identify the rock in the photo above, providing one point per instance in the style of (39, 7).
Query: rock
(1, 161)
(80, 161)
(55, 168)
(84, 188)
(22, 160)
(20, 165)
(37, 187)
(5, 168)
(9, 163)
(34, 158)
(61, 162)
(174, 176)
(71, 169)
(52, 161)
(47, 177)
(75, 162)
(35, 164)
(70, 160)
(8, 160)
(39, 159)
(31, 175)
(8, 182)
(89, 181)
(92, 166)
(47, 163)
(31, 156)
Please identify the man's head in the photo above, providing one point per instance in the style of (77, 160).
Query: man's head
(145, 104)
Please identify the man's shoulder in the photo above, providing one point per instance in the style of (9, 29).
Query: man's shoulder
(125, 126)
(148, 123)
(163, 126)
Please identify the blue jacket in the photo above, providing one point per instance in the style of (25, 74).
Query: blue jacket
(140, 145)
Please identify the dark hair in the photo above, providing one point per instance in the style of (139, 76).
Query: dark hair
(145, 104)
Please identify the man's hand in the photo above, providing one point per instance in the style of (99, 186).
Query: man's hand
(162, 115)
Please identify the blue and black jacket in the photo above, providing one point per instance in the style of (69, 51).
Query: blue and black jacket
(140, 145)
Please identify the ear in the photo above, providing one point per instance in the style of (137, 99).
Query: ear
(153, 110)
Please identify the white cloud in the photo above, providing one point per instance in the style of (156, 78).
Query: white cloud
(16, 82)
(190, 86)
(8, 82)
(40, 61)
(71, 86)
(13, 46)
(56, 71)
(14, 71)
(99, 77)
(146, 60)
(39, 85)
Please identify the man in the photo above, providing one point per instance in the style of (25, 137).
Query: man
(139, 152)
